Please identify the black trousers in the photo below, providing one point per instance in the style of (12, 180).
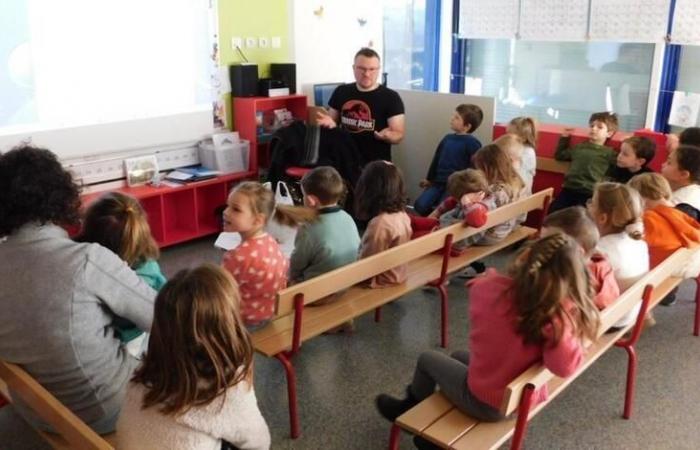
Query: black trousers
(570, 197)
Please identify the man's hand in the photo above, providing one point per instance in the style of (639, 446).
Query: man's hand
(424, 184)
(567, 131)
(325, 120)
(385, 135)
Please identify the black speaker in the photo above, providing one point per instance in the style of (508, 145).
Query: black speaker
(287, 72)
(244, 80)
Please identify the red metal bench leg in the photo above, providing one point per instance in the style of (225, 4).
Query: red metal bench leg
(394, 437)
(291, 394)
(378, 314)
(696, 329)
(444, 315)
(523, 413)
(631, 377)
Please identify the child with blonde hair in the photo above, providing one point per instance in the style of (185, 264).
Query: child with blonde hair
(118, 222)
(590, 161)
(666, 229)
(258, 264)
(576, 222)
(194, 387)
(539, 312)
(380, 197)
(525, 128)
(616, 210)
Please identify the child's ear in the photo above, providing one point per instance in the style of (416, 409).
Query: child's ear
(685, 175)
(312, 201)
(467, 127)
(642, 161)
(260, 220)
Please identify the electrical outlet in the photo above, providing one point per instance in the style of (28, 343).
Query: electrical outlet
(263, 42)
(251, 42)
(276, 42)
(236, 42)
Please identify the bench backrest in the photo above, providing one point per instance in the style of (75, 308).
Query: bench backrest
(538, 375)
(346, 276)
(50, 410)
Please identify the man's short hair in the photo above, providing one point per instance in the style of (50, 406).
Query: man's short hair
(471, 115)
(325, 183)
(643, 147)
(688, 157)
(608, 118)
(367, 53)
(690, 136)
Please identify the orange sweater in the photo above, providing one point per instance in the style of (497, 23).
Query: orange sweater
(666, 229)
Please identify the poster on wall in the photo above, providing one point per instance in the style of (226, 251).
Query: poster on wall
(684, 109)
(622, 20)
(686, 17)
(554, 20)
(480, 19)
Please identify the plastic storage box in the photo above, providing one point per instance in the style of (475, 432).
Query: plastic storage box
(229, 158)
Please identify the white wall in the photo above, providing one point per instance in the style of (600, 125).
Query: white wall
(325, 42)
(427, 122)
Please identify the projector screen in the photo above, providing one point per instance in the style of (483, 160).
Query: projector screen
(86, 77)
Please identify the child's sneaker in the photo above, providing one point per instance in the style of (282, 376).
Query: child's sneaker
(474, 269)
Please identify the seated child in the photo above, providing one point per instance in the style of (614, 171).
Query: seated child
(117, 222)
(525, 128)
(471, 188)
(590, 161)
(635, 153)
(514, 148)
(454, 153)
(380, 197)
(666, 229)
(332, 240)
(576, 222)
(538, 313)
(682, 171)
(689, 136)
(258, 264)
(194, 387)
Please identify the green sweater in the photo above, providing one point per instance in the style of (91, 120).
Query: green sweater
(589, 163)
(330, 242)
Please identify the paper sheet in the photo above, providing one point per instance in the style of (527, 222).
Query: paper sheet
(481, 19)
(684, 109)
(686, 18)
(629, 20)
(554, 20)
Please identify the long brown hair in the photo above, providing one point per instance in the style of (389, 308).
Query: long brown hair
(262, 201)
(622, 206)
(544, 275)
(198, 346)
(118, 222)
(526, 130)
(380, 189)
(498, 168)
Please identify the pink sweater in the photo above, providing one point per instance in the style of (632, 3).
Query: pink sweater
(385, 231)
(497, 353)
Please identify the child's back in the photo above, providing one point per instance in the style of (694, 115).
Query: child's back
(385, 231)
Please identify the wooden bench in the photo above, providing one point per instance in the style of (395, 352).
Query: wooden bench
(437, 420)
(71, 432)
(428, 262)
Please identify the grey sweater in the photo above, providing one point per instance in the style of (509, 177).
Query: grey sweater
(58, 299)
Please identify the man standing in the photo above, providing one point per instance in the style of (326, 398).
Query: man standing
(372, 113)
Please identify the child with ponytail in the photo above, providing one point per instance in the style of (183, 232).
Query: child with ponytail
(258, 264)
(539, 312)
(117, 222)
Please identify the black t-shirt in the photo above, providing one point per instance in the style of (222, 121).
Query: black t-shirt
(363, 113)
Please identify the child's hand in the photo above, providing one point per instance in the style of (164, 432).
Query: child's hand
(671, 142)
(472, 197)
(567, 131)
(424, 184)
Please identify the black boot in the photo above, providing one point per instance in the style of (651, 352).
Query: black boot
(391, 407)
(422, 443)
(670, 299)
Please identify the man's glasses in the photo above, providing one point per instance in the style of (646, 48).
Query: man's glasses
(366, 69)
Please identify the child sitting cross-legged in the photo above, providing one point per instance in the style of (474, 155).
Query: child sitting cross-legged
(454, 153)
(635, 154)
(666, 229)
(332, 240)
(590, 161)
(682, 170)
(194, 387)
(576, 222)
(538, 312)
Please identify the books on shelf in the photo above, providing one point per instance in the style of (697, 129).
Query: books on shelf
(190, 174)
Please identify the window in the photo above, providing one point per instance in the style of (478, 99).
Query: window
(411, 31)
(79, 63)
(561, 82)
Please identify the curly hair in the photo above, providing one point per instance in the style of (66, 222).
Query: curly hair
(380, 189)
(34, 187)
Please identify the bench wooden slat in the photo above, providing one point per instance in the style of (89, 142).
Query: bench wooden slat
(477, 252)
(449, 427)
(425, 413)
(346, 276)
(552, 165)
(74, 433)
